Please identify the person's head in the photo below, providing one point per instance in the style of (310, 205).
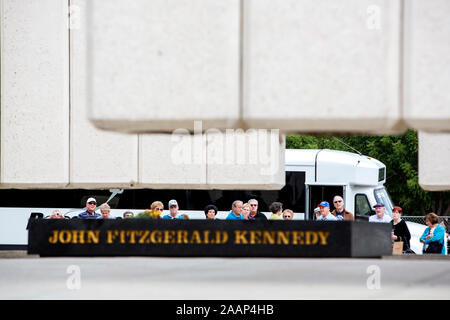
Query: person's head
(245, 210)
(431, 219)
(324, 208)
(211, 212)
(185, 216)
(91, 204)
(338, 203)
(288, 214)
(396, 213)
(128, 214)
(317, 212)
(173, 207)
(379, 209)
(157, 207)
(276, 207)
(253, 206)
(105, 210)
(56, 214)
(237, 207)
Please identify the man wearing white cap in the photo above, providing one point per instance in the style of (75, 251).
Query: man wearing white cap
(173, 209)
(90, 213)
(380, 215)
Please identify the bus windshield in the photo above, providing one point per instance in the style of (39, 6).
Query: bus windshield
(381, 195)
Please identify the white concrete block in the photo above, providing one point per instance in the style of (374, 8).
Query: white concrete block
(427, 65)
(434, 167)
(98, 158)
(172, 161)
(159, 65)
(35, 94)
(322, 66)
(251, 159)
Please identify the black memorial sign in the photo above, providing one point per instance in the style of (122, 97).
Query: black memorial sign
(151, 237)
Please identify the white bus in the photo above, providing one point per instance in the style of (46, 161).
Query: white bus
(312, 176)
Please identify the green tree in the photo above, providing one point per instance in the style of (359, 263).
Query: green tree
(399, 154)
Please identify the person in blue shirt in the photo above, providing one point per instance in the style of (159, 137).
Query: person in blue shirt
(173, 209)
(325, 214)
(90, 213)
(236, 210)
(433, 236)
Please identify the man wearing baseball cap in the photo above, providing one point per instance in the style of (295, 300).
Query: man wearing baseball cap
(173, 209)
(325, 214)
(379, 215)
(90, 213)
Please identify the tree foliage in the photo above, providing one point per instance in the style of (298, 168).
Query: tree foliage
(399, 154)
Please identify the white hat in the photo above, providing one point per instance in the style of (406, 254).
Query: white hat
(91, 199)
(173, 203)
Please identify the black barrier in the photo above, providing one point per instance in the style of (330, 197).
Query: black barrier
(201, 238)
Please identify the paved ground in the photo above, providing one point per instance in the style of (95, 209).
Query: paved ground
(30, 277)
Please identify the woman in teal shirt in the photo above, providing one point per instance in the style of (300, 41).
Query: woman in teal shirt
(433, 236)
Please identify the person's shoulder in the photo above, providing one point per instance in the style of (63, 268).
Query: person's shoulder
(166, 217)
(82, 215)
(260, 215)
(230, 215)
(142, 215)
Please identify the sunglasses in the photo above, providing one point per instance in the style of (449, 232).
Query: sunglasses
(158, 209)
(337, 201)
(287, 216)
(254, 205)
(92, 202)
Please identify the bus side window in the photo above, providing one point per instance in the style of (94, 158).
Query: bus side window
(362, 207)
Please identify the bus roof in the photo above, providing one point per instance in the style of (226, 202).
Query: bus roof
(335, 166)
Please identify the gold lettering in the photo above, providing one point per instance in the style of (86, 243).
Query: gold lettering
(156, 236)
(65, 236)
(53, 238)
(182, 236)
(255, 237)
(196, 237)
(323, 237)
(240, 237)
(269, 237)
(283, 237)
(169, 236)
(144, 235)
(78, 236)
(93, 236)
(297, 237)
(206, 236)
(132, 235)
(110, 236)
(311, 237)
(221, 237)
(122, 236)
